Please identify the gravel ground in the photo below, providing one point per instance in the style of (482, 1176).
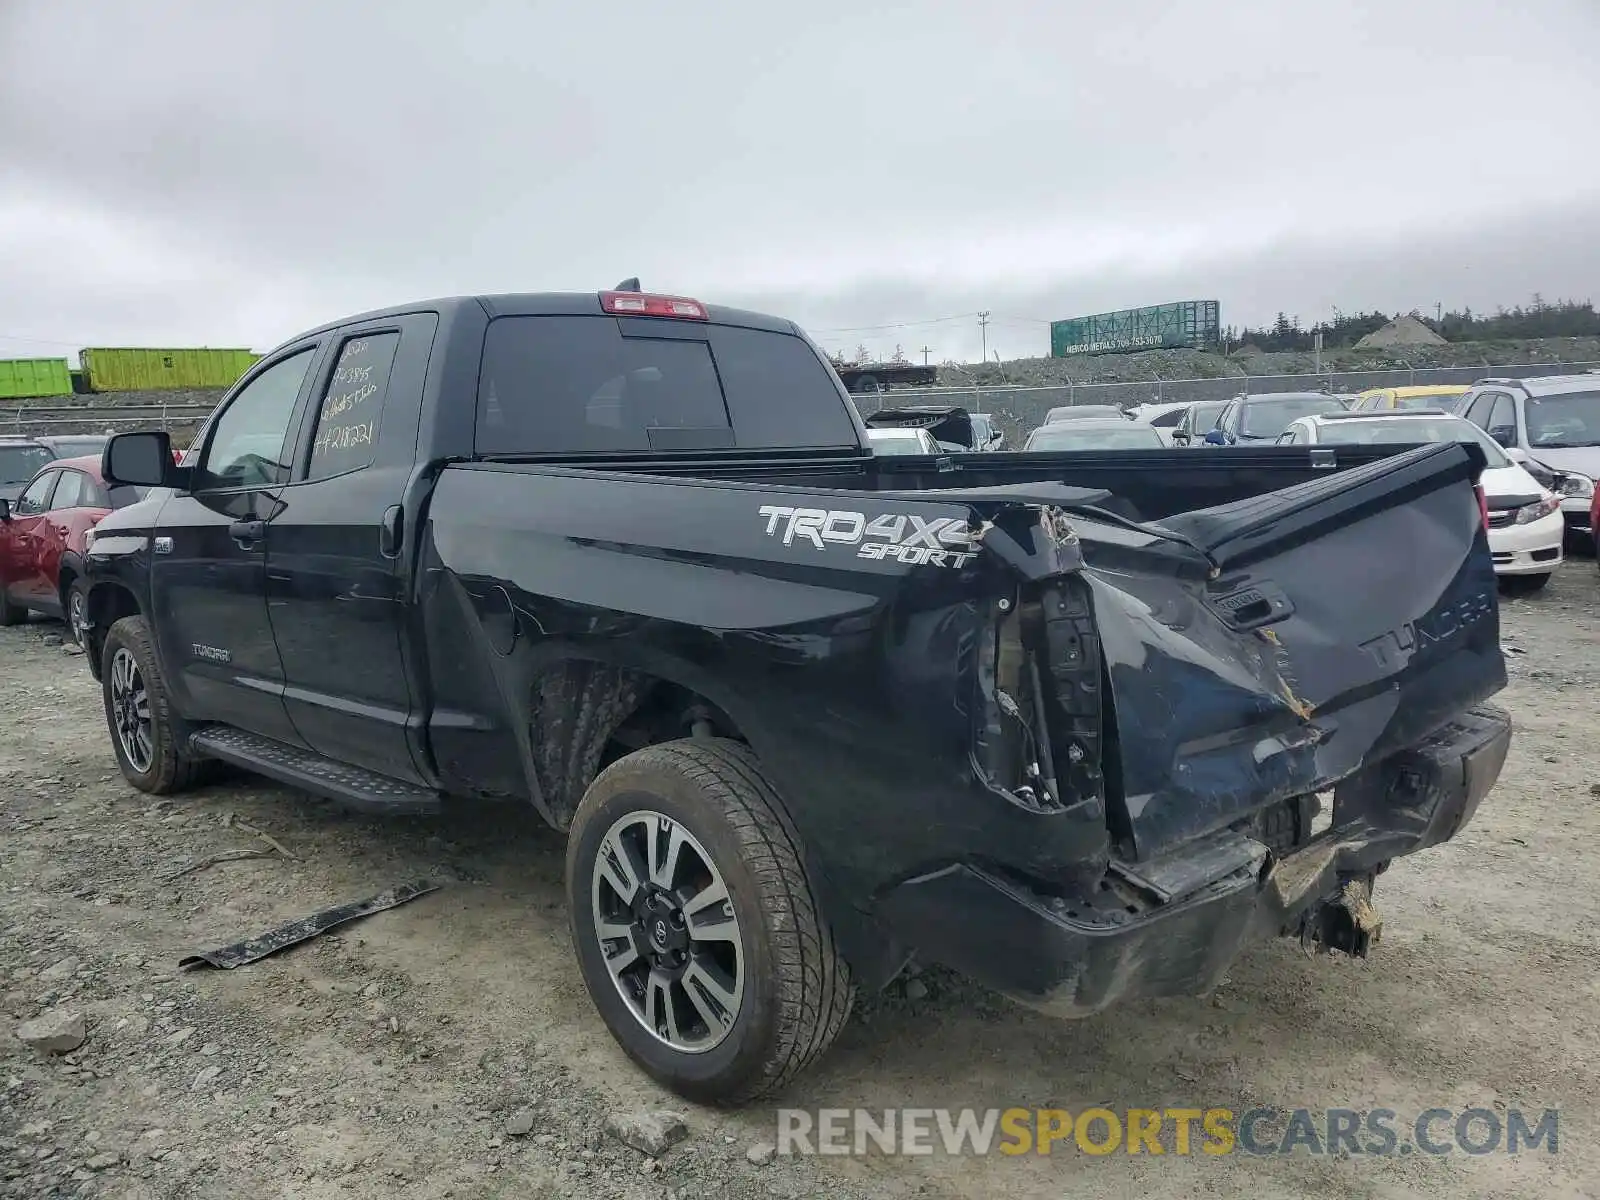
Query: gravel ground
(446, 1048)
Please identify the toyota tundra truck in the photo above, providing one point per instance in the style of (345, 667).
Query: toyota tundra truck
(1079, 725)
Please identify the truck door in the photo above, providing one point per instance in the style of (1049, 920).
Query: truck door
(336, 571)
(208, 562)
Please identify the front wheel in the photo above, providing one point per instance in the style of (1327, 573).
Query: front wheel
(145, 733)
(695, 926)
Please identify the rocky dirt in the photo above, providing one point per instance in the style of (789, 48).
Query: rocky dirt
(446, 1048)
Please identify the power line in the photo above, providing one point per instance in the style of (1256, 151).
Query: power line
(894, 324)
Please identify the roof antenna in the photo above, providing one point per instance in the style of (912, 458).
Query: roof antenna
(628, 285)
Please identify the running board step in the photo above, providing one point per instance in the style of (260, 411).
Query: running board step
(353, 787)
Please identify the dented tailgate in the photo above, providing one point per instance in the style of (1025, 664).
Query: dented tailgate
(1337, 622)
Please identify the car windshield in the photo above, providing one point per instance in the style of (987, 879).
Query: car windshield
(78, 447)
(1081, 412)
(1570, 419)
(1410, 431)
(18, 464)
(896, 442)
(1081, 435)
(1430, 400)
(1268, 418)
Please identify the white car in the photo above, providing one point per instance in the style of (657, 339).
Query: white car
(1100, 433)
(1082, 412)
(902, 441)
(1163, 418)
(1549, 424)
(1526, 528)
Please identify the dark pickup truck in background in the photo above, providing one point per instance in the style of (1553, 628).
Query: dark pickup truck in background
(1069, 722)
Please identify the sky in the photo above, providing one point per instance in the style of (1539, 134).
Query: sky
(183, 172)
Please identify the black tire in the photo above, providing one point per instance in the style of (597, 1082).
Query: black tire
(171, 768)
(1526, 585)
(11, 614)
(797, 990)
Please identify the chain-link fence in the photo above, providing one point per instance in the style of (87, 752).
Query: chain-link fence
(1016, 409)
(1020, 409)
(43, 420)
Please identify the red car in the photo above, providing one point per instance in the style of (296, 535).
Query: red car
(42, 538)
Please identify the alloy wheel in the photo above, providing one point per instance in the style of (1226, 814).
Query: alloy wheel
(668, 932)
(130, 711)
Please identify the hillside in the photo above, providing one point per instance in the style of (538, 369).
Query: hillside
(1192, 364)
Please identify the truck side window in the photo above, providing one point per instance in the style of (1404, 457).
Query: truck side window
(564, 385)
(347, 421)
(246, 447)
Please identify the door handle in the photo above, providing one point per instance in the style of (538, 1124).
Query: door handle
(247, 532)
(390, 530)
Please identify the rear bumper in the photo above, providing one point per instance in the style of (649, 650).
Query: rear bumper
(1074, 959)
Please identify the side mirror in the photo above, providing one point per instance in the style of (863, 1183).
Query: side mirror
(5, 511)
(139, 459)
(1505, 435)
(1216, 438)
(1180, 437)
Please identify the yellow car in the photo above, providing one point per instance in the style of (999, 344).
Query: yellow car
(1423, 395)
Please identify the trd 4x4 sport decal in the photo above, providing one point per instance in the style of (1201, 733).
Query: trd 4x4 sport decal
(940, 542)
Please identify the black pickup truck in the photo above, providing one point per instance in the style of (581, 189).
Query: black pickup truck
(1081, 725)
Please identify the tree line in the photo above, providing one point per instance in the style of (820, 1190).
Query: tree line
(1539, 319)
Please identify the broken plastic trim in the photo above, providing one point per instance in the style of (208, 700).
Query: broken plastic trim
(303, 929)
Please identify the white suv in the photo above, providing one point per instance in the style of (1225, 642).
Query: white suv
(1549, 424)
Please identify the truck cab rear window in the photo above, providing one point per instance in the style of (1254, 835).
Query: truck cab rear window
(565, 385)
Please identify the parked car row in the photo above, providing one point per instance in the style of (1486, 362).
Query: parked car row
(1540, 438)
(22, 457)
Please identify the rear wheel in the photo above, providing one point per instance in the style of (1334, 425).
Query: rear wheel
(695, 926)
(75, 609)
(146, 734)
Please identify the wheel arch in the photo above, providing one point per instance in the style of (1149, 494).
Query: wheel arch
(648, 698)
(107, 603)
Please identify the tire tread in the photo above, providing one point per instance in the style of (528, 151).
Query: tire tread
(175, 769)
(813, 989)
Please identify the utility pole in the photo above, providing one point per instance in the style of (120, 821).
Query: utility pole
(925, 352)
(983, 328)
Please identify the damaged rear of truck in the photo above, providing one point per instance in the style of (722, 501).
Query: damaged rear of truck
(1019, 728)
(1080, 725)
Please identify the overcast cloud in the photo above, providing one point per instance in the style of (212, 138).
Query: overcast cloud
(180, 173)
